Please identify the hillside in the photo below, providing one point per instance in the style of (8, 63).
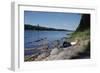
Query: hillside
(83, 30)
(82, 33)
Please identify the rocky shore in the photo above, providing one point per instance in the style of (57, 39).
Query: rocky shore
(60, 53)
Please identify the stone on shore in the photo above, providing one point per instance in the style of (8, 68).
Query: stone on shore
(42, 56)
(55, 51)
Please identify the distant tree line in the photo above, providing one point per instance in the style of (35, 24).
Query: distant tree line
(33, 27)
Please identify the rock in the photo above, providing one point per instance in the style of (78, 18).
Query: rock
(54, 51)
(51, 57)
(63, 55)
(42, 56)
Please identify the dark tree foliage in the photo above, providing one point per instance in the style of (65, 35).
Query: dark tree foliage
(32, 27)
(84, 23)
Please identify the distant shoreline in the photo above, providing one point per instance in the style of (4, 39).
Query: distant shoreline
(47, 30)
(42, 28)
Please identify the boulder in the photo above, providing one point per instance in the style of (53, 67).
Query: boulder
(55, 51)
(42, 56)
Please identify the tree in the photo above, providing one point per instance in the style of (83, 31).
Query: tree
(84, 23)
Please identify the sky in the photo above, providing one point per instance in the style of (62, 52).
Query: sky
(56, 20)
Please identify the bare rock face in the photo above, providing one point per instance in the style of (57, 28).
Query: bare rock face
(55, 51)
(53, 54)
(64, 55)
(51, 57)
(42, 56)
(61, 55)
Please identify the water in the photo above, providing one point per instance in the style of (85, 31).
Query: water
(32, 38)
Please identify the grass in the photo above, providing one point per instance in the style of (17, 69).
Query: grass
(84, 38)
(81, 35)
